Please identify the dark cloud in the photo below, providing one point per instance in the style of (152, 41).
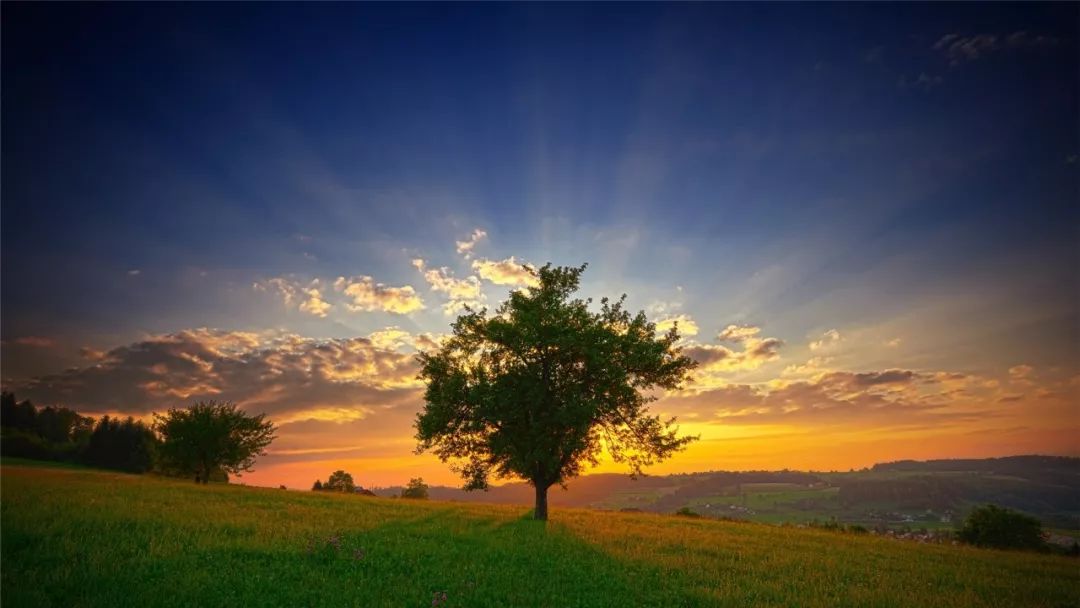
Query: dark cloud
(753, 351)
(892, 376)
(279, 375)
(888, 398)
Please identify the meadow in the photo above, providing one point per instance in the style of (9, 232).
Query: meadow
(80, 537)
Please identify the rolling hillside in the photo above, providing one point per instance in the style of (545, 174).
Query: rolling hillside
(914, 494)
(89, 538)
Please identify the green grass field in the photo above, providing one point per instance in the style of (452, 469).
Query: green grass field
(88, 538)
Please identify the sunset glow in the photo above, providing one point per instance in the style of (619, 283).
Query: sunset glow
(867, 239)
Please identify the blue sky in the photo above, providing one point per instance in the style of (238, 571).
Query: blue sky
(903, 175)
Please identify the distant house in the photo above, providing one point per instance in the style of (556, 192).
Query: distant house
(363, 492)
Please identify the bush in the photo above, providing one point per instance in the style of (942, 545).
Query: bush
(994, 526)
(687, 512)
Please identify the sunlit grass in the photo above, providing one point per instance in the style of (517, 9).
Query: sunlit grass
(88, 538)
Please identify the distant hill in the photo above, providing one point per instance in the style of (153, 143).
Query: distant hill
(909, 493)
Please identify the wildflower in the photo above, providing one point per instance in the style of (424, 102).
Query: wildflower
(439, 598)
(358, 554)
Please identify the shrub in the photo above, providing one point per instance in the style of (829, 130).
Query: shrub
(994, 526)
(687, 512)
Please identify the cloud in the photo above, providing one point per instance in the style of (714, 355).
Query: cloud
(287, 376)
(923, 81)
(717, 359)
(1024, 39)
(91, 354)
(958, 48)
(887, 398)
(687, 326)
(313, 303)
(390, 338)
(893, 343)
(394, 338)
(35, 341)
(308, 298)
(827, 341)
(965, 48)
(814, 365)
(134, 272)
(864, 379)
(506, 272)
(367, 296)
(738, 333)
(460, 292)
(465, 247)
(1020, 372)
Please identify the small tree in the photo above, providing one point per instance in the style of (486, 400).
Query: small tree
(416, 489)
(539, 389)
(994, 526)
(317, 487)
(209, 437)
(339, 481)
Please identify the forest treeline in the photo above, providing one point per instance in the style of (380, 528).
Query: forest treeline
(206, 440)
(63, 435)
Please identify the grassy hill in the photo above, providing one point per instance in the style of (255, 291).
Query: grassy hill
(88, 538)
(906, 494)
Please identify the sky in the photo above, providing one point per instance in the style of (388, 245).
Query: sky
(863, 217)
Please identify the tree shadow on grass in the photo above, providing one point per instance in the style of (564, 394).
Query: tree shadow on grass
(475, 561)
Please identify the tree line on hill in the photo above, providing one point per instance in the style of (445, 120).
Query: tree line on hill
(206, 441)
(341, 481)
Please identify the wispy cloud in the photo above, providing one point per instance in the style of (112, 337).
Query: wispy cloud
(829, 340)
(958, 48)
(460, 292)
(35, 341)
(307, 298)
(465, 247)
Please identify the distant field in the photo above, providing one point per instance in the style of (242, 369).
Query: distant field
(87, 538)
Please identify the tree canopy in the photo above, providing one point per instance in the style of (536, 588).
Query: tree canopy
(211, 437)
(339, 481)
(542, 387)
(994, 526)
(416, 488)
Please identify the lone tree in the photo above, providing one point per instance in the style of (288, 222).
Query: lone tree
(339, 481)
(416, 489)
(209, 437)
(542, 387)
(994, 526)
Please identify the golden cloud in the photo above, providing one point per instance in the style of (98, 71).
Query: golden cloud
(281, 374)
(687, 326)
(465, 247)
(460, 292)
(367, 295)
(506, 272)
(738, 333)
(827, 340)
(717, 359)
(309, 297)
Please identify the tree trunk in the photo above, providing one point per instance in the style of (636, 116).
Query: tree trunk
(540, 511)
